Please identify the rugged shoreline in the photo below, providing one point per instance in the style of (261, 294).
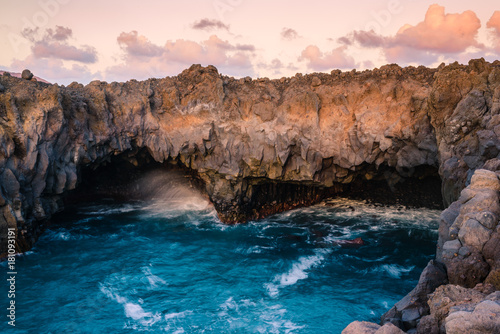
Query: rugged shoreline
(257, 146)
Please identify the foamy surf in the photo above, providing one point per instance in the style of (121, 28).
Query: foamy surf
(188, 273)
(299, 271)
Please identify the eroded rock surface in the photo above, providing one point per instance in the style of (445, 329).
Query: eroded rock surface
(249, 141)
(261, 146)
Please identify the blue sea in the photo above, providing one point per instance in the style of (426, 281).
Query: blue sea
(170, 266)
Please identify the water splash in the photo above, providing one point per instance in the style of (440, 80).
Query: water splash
(170, 193)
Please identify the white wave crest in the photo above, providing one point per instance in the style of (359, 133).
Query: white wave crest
(132, 310)
(393, 270)
(299, 271)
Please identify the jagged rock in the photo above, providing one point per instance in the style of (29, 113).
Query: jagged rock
(428, 325)
(10, 185)
(493, 164)
(474, 234)
(446, 297)
(261, 146)
(2, 88)
(467, 271)
(316, 82)
(494, 278)
(413, 306)
(451, 248)
(27, 75)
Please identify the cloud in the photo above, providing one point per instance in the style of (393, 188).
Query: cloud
(439, 33)
(319, 61)
(54, 44)
(60, 33)
(367, 39)
(494, 24)
(143, 59)
(209, 25)
(289, 34)
(138, 46)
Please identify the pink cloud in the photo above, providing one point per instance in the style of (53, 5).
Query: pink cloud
(57, 50)
(54, 44)
(176, 55)
(494, 24)
(319, 61)
(60, 33)
(439, 33)
(136, 45)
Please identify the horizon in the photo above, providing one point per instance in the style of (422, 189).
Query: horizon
(53, 38)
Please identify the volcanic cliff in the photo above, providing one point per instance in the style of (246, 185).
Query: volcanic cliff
(254, 146)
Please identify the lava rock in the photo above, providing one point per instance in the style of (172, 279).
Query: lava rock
(10, 185)
(414, 304)
(428, 325)
(467, 272)
(445, 297)
(483, 318)
(27, 75)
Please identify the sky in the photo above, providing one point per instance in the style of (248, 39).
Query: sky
(117, 40)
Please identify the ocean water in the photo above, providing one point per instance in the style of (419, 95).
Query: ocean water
(170, 266)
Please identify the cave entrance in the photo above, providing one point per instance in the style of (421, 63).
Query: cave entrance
(130, 176)
(419, 188)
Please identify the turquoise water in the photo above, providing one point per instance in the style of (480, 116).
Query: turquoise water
(172, 267)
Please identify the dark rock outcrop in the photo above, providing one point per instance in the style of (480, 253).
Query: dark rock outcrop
(469, 232)
(455, 309)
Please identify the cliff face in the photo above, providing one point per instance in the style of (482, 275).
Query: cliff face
(248, 140)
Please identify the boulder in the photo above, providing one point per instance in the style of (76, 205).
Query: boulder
(361, 327)
(315, 82)
(484, 317)
(389, 328)
(467, 271)
(27, 75)
(474, 234)
(448, 296)
(428, 325)
(483, 178)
